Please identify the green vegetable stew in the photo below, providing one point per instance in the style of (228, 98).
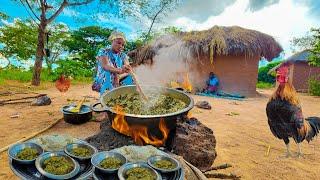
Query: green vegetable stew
(110, 163)
(139, 173)
(81, 152)
(164, 164)
(58, 165)
(27, 154)
(156, 105)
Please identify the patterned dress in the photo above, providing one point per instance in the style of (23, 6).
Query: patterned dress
(107, 79)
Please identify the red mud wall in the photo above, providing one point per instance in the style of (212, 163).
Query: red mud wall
(301, 73)
(237, 74)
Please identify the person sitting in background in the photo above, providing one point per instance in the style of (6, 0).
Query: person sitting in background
(212, 84)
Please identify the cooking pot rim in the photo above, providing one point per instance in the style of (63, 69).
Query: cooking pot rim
(89, 110)
(184, 110)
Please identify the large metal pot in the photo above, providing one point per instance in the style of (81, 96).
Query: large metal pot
(151, 121)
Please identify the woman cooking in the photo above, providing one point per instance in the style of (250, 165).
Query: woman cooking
(113, 66)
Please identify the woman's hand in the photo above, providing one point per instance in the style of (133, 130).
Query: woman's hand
(127, 68)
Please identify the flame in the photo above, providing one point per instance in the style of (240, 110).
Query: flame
(137, 132)
(186, 84)
(189, 115)
(119, 123)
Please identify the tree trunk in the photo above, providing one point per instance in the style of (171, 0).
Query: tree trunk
(39, 55)
(49, 65)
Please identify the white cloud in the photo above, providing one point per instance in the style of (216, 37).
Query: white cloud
(70, 13)
(283, 20)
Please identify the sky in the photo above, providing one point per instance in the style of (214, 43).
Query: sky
(282, 19)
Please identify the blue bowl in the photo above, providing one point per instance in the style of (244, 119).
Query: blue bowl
(40, 162)
(98, 157)
(16, 148)
(124, 168)
(69, 148)
(153, 159)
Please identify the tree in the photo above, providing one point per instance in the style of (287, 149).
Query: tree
(3, 16)
(158, 8)
(263, 73)
(314, 59)
(46, 11)
(57, 34)
(20, 40)
(85, 43)
(310, 42)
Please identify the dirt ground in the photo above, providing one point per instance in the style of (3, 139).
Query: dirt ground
(242, 138)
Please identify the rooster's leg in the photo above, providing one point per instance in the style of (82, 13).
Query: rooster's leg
(300, 154)
(288, 153)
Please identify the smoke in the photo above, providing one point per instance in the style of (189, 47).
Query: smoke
(169, 60)
(171, 63)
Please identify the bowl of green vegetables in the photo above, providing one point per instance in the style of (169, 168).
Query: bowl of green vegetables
(80, 151)
(25, 153)
(164, 164)
(138, 170)
(57, 165)
(108, 162)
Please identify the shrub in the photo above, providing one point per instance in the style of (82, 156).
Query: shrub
(314, 86)
(263, 75)
(264, 85)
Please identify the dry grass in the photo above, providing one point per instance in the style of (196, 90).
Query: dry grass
(217, 41)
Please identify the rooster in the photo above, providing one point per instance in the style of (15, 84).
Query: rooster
(285, 116)
(63, 84)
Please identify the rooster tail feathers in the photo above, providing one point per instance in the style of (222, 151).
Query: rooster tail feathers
(314, 123)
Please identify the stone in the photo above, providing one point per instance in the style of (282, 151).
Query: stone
(203, 105)
(108, 138)
(192, 140)
(195, 142)
(41, 101)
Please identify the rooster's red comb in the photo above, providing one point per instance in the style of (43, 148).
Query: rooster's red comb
(283, 73)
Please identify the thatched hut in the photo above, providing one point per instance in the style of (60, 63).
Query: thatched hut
(300, 70)
(232, 53)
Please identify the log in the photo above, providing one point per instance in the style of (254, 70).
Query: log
(223, 166)
(222, 176)
(16, 99)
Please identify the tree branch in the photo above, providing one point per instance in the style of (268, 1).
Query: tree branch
(32, 10)
(62, 6)
(43, 9)
(154, 18)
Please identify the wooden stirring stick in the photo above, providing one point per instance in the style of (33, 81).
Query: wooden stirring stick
(138, 86)
(77, 109)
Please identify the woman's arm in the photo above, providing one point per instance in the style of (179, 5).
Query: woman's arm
(105, 64)
(127, 67)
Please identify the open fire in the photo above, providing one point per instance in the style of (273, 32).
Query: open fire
(139, 133)
(186, 84)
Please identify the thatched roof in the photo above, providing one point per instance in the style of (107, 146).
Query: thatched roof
(217, 41)
(300, 56)
(297, 57)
